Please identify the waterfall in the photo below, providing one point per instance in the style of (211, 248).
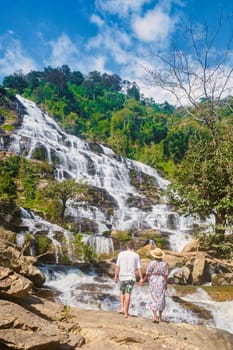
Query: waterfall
(101, 168)
(101, 244)
(34, 224)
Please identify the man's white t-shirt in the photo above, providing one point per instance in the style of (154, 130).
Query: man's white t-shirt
(129, 262)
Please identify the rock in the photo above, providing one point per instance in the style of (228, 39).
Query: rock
(199, 268)
(76, 341)
(174, 259)
(191, 247)
(113, 331)
(12, 284)
(12, 258)
(106, 267)
(144, 252)
(33, 273)
(23, 330)
(180, 276)
(44, 325)
(222, 279)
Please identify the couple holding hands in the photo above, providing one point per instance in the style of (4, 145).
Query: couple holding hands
(128, 262)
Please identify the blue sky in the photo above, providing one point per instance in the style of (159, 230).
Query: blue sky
(112, 36)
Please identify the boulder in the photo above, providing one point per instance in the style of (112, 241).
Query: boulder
(12, 284)
(199, 268)
(144, 252)
(23, 330)
(13, 259)
(174, 259)
(180, 275)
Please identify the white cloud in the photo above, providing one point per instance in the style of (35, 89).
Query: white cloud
(64, 51)
(112, 43)
(121, 7)
(95, 63)
(13, 58)
(154, 26)
(97, 20)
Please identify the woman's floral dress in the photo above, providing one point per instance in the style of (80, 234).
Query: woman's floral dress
(157, 271)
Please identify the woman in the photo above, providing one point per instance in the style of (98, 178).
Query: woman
(157, 272)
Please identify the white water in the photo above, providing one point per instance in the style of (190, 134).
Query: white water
(35, 223)
(108, 171)
(89, 291)
(222, 311)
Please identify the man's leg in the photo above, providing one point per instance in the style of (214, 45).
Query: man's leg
(122, 303)
(127, 302)
(128, 291)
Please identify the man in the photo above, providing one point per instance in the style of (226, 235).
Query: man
(128, 262)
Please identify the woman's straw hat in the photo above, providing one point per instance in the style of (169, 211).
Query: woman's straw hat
(157, 253)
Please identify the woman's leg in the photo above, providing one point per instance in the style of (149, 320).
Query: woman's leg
(154, 315)
(160, 315)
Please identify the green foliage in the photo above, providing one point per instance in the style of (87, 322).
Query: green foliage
(40, 153)
(204, 179)
(15, 81)
(221, 245)
(224, 249)
(82, 251)
(28, 179)
(58, 193)
(122, 236)
(8, 173)
(43, 244)
(8, 127)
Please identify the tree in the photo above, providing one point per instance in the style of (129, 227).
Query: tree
(204, 180)
(27, 179)
(63, 191)
(201, 82)
(16, 81)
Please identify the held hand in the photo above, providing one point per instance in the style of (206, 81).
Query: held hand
(115, 279)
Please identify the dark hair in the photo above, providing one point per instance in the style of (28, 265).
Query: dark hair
(130, 244)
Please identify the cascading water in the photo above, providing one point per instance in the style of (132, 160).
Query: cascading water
(101, 168)
(34, 223)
